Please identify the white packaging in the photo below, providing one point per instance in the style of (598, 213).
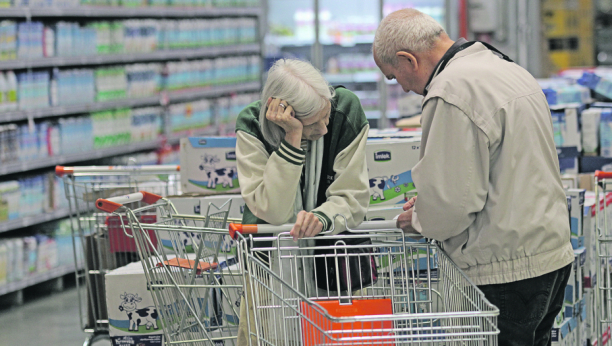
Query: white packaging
(385, 212)
(390, 162)
(208, 165)
(4, 263)
(590, 129)
(569, 127)
(590, 238)
(18, 269)
(605, 133)
(129, 301)
(576, 210)
(561, 335)
(200, 206)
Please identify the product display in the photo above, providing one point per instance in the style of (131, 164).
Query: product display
(109, 82)
(208, 165)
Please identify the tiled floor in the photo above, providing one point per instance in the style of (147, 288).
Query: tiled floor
(51, 321)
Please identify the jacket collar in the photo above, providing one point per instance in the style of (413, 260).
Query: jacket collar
(454, 49)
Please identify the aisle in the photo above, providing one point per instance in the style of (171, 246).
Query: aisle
(52, 320)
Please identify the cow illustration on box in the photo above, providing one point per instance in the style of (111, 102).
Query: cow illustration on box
(137, 317)
(187, 238)
(224, 176)
(377, 187)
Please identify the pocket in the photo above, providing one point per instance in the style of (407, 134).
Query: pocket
(353, 267)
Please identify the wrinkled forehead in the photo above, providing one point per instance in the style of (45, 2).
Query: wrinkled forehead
(317, 117)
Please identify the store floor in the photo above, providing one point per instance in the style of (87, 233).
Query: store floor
(52, 320)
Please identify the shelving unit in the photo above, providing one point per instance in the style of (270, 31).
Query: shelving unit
(127, 12)
(164, 98)
(36, 279)
(33, 220)
(174, 96)
(206, 52)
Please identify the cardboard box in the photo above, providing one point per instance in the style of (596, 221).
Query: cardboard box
(127, 292)
(590, 129)
(208, 165)
(576, 210)
(390, 162)
(561, 335)
(191, 205)
(582, 325)
(605, 134)
(567, 125)
(585, 181)
(387, 212)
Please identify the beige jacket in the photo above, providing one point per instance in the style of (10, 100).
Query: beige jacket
(488, 179)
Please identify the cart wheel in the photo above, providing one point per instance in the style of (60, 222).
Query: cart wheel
(94, 338)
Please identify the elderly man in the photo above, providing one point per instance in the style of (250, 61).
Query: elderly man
(488, 178)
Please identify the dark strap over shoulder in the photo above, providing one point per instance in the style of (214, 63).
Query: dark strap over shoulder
(453, 51)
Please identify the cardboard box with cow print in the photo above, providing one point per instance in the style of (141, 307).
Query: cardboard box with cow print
(133, 318)
(390, 162)
(208, 165)
(198, 205)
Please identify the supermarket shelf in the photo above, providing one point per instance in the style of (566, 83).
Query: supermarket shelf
(291, 41)
(92, 155)
(211, 131)
(205, 52)
(36, 279)
(175, 96)
(33, 220)
(358, 77)
(128, 12)
(375, 114)
(188, 95)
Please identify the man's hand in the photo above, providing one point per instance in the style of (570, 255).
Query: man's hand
(283, 115)
(306, 225)
(404, 220)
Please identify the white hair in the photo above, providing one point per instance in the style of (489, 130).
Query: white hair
(407, 30)
(301, 85)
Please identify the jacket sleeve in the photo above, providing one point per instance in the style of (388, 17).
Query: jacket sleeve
(452, 176)
(349, 194)
(268, 183)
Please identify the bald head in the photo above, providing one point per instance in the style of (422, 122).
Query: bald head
(406, 30)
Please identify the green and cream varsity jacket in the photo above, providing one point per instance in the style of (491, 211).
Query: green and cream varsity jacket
(270, 177)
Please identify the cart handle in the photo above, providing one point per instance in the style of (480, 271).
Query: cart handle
(60, 171)
(600, 175)
(270, 229)
(109, 205)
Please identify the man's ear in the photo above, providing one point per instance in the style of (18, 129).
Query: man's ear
(408, 60)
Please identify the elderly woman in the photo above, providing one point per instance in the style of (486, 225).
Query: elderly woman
(301, 155)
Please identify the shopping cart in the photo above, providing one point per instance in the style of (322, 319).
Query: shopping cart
(386, 290)
(195, 289)
(99, 237)
(603, 293)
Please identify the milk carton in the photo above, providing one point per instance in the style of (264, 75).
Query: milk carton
(590, 129)
(576, 211)
(133, 317)
(208, 165)
(128, 295)
(390, 162)
(197, 205)
(384, 212)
